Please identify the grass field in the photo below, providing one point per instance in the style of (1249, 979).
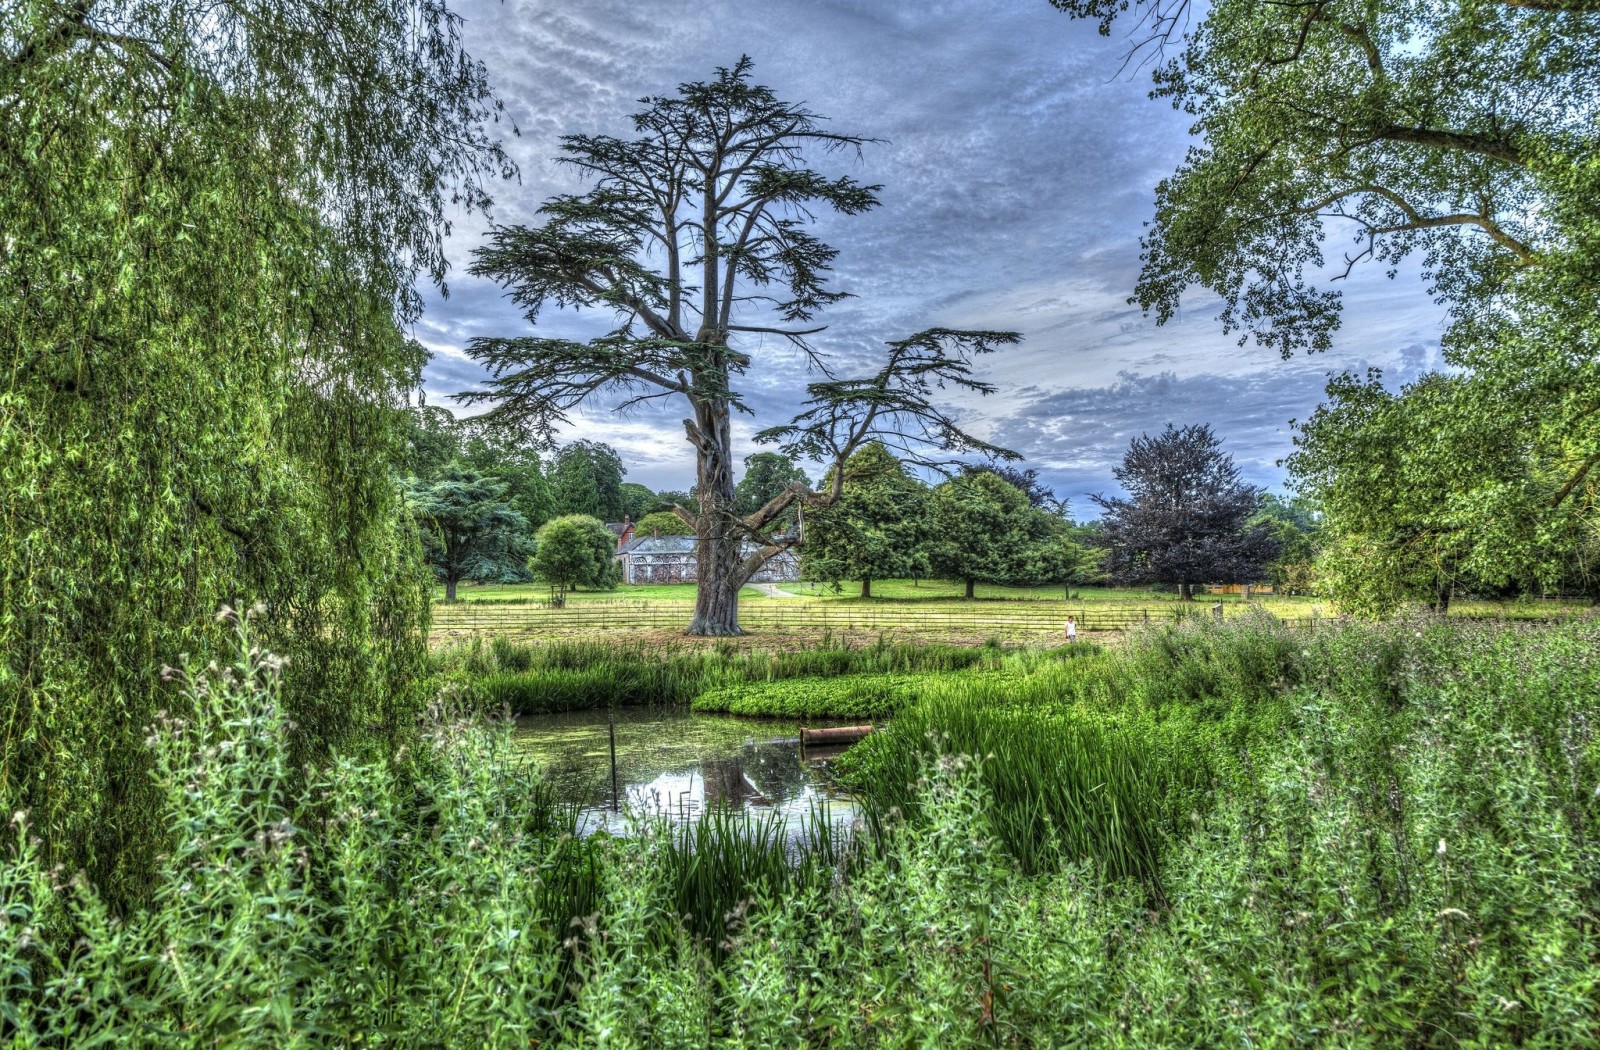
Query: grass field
(955, 590)
(926, 611)
(538, 592)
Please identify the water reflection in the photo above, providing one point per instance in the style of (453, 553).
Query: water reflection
(678, 763)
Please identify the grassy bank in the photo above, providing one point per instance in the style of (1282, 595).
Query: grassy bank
(1366, 836)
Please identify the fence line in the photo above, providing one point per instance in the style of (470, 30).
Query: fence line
(529, 618)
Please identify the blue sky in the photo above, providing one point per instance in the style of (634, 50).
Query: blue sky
(1018, 168)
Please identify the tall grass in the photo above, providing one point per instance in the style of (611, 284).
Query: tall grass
(534, 678)
(1394, 845)
(1062, 785)
(727, 861)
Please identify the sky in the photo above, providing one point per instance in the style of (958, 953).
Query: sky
(1018, 164)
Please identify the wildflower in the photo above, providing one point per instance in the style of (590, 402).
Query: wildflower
(1440, 852)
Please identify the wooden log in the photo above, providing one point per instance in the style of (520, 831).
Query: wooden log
(834, 734)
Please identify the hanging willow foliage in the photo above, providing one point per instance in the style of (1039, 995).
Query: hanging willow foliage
(212, 217)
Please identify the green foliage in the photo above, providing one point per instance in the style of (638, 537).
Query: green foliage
(469, 530)
(766, 475)
(215, 218)
(1390, 847)
(1297, 526)
(638, 500)
(586, 479)
(1376, 119)
(663, 521)
(1416, 507)
(1423, 131)
(556, 676)
(983, 530)
(436, 441)
(1066, 781)
(857, 696)
(874, 530)
(514, 461)
(575, 551)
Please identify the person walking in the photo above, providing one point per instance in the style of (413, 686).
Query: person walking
(1072, 629)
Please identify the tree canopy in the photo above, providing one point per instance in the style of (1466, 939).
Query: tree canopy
(1040, 496)
(638, 500)
(1461, 133)
(586, 478)
(663, 521)
(1411, 512)
(766, 476)
(1297, 525)
(437, 441)
(1188, 518)
(985, 531)
(696, 235)
(470, 530)
(575, 550)
(874, 530)
(214, 220)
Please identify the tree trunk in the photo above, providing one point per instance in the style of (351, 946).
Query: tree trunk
(1441, 597)
(718, 537)
(449, 590)
(969, 587)
(1185, 592)
(866, 588)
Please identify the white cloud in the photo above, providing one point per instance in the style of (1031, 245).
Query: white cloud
(1017, 171)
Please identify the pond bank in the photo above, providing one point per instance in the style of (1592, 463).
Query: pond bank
(677, 763)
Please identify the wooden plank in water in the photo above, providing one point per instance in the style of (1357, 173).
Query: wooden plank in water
(834, 735)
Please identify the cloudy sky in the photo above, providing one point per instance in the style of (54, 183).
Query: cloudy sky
(1017, 169)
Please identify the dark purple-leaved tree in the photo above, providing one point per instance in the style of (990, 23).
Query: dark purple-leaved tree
(695, 236)
(1187, 518)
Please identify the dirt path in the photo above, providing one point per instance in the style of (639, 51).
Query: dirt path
(771, 590)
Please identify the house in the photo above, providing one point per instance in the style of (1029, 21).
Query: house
(622, 530)
(671, 559)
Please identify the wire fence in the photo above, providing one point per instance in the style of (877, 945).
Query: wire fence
(518, 618)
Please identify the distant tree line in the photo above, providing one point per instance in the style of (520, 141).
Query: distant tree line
(486, 504)
(1420, 131)
(1187, 519)
(482, 496)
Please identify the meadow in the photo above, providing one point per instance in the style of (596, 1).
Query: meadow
(912, 612)
(1235, 834)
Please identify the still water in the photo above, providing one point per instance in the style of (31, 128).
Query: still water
(676, 763)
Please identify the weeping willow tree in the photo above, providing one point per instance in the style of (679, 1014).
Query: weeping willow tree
(212, 219)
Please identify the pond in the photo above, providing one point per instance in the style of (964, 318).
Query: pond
(675, 763)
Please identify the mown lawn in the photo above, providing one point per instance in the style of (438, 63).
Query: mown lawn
(538, 592)
(948, 590)
(911, 602)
